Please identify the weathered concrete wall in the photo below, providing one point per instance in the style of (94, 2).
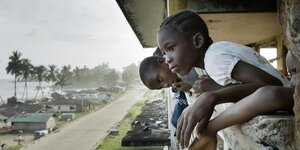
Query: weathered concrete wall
(289, 16)
(274, 131)
(264, 132)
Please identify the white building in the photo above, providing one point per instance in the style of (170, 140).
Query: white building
(63, 105)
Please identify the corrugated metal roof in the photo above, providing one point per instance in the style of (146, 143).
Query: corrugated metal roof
(31, 117)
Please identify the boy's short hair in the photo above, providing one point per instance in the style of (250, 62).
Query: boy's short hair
(146, 67)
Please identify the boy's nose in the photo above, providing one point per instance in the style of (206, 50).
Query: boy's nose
(168, 59)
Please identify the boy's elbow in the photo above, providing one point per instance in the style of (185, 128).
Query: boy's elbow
(278, 82)
(275, 81)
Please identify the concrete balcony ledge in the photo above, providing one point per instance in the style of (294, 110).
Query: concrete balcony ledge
(264, 132)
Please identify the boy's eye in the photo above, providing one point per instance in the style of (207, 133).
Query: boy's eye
(171, 48)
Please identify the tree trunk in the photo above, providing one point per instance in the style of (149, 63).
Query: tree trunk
(52, 86)
(36, 93)
(40, 85)
(38, 89)
(15, 94)
(25, 90)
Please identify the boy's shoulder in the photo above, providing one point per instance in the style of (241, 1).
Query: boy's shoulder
(223, 44)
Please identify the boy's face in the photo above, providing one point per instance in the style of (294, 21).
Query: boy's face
(180, 53)
(291, 64)
(161, 76)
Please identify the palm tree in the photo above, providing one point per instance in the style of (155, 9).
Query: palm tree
(77, 75)
(53, 71)
(26, 71)
(61, 81)
(40, 76)
(66, 71)
(14, 67)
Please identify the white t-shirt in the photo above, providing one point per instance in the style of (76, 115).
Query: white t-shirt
(221, 57)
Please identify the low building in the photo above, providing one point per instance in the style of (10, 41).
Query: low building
(67, 116)
(63, 105)
(83, 105)
(33, 121)
(57, 96)
(69, 106)
(105, 96)
(9, 110)
(87, 95)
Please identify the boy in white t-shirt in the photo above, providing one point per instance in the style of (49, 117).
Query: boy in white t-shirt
(185, 41)
(275, 97)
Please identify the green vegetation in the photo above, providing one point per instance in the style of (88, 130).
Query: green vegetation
(17, 147)
(114, 142)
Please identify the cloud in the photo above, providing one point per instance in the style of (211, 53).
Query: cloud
(61, 32)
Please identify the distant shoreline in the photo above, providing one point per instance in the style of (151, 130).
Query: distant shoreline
(7, 88)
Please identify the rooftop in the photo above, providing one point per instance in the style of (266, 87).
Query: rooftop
(31, 117)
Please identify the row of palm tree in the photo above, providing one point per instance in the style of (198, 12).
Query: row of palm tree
(22, 69)
(101, 75)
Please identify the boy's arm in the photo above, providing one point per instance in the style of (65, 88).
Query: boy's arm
(205, 84)
(201, 111)
(265, 100)
(247, 73)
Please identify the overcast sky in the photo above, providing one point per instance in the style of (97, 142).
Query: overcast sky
(62, 32)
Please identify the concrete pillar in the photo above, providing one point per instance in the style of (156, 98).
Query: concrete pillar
(281, 53)
(176, 5)
(256, 48)
(289, 17)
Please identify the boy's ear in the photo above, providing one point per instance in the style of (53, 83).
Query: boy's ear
(161, 60)
(198, 40)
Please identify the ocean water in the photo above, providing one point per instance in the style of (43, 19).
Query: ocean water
(7, 89)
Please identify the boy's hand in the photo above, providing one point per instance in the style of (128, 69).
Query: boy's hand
(204, 141)
(205, 84)
(183, 86)
(200, 85)
(200, 112)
